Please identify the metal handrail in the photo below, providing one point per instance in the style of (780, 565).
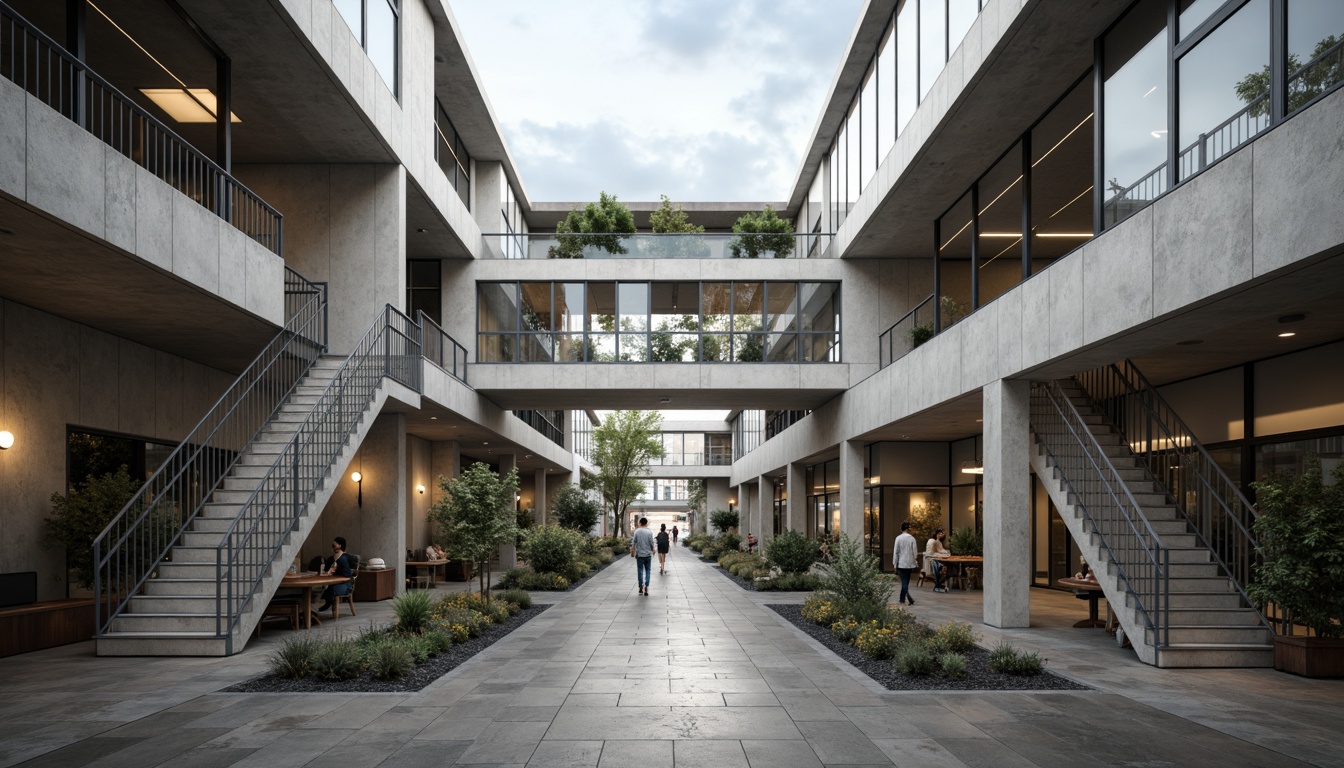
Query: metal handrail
(887, 347)
(390, 348)
(1141, 560)
(43, 68)
(142, 534)
(1216, 509)
(441, 349)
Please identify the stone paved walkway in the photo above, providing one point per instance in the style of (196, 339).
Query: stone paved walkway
(698, 674)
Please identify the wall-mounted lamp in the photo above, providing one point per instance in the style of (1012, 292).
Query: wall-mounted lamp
(359, 481)
(972, 468)
(6, 439)
(420, 488)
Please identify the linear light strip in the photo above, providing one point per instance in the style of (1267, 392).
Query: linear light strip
(143, 50)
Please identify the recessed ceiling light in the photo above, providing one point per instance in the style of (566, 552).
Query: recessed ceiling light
(485, 442)
(664, 400)
(187, 105)
(422, 230)
(1189, 342)
(527, 456)
(433, 418)
(1286, 335)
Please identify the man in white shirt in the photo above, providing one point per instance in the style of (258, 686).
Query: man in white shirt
(905, 558)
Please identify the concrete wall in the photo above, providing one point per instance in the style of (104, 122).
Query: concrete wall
(53, 165)
(419, 453)
(55, 373)
(344, 225)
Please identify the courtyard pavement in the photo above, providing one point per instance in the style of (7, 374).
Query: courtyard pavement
(697, 674)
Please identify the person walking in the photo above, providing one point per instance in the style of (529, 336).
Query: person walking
(674, 534)
(905, 559)
(641, 548)
(663, 547)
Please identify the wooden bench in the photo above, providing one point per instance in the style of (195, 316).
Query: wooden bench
(35, 626)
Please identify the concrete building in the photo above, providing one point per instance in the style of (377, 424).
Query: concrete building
(1043, 250)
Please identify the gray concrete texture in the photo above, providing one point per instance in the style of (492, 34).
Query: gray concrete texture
(699, 673)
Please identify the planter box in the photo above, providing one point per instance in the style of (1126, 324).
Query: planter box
(1309, 656)
(375, 585)
(458, 570)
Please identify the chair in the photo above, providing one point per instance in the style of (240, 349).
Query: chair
(348, 597)
(919, 568)
(970, 578)
(283, 607)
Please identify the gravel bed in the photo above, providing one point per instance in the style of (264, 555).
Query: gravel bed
(741, 582)
(979, 677)
(437, 666)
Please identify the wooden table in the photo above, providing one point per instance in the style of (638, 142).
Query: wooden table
(1093, 590)
(432, 565)
(307, 582)
(960, 562)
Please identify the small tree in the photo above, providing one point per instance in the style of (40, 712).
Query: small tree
(599, 224)
(476, 515)
(761, 233)
(77, 520)
(924, 520)
(668, 220)
(574, 510)
(623, 446)
(723, 519)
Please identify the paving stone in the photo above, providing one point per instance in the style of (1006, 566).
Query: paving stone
(652, 753)
(566, 754)
(709, 754)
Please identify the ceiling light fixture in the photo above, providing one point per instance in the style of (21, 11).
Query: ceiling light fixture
(187, 105)
(972, 468)
(1287, 335)
(664, 400)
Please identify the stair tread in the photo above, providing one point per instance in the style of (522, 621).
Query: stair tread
(1218, 647)
(178, 634)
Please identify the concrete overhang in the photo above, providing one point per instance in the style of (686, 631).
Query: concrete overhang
(689, 471)
(644, 385)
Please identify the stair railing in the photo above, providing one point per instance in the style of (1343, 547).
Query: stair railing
(129, 549)
(1142, 561)
(441, 349)
(390, 348)
(1220, 514)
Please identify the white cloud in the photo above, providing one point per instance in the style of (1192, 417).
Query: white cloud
(699, 100)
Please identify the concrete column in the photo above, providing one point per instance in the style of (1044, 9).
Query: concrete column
(797, 500)
(488, 184)
(508, 553)
(540, 503)
(445, 461)
(1007, 572)
(853, 453)
(765, 509)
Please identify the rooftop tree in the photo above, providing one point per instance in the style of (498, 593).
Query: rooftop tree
(599, 224)
(762, 233)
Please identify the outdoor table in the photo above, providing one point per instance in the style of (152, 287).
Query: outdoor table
(306, 582)
(432, 565)
(960, 562)
(1093, 590)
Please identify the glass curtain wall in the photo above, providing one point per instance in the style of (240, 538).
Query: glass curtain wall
(823, 499)
(691, 449)
(780, 506)
(741, 321)
(451, 154)
(998, 262)
(512, 244)
(424, 289)
(956, 261)
(376, 25)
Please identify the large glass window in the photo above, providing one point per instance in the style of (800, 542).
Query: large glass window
(932, 43)
(868, 129)
(999, 258)
(665, 322)
(424, 289)
(1135, 134)
(376, 25)
(451, 154)
(886, 93)
(1061, 177)
(960, 16)
(1221, 105)
(907, 63)
(834, 192)
(954, 262)
(1315, 49)
(854, 137)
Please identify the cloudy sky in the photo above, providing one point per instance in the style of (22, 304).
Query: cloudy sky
(696, 99)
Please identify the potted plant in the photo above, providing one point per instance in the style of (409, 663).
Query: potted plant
(77, 518)
(920, 334)
(1300, 530)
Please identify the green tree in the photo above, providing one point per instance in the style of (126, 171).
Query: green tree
(77, 519)
(1309, 83)
(574, 510)
(680, 242)
(476, 515)
(724, 519)
(761, 233)
(672, 221)
(924, 520)
(601, 225)
(623, 446)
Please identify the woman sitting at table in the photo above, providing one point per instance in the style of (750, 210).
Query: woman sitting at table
(340, 566)
(432, 552)
(933, 550)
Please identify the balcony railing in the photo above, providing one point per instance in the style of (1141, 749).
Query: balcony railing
(914, 328)
(48, 72)
(549, 245)
(441, 349)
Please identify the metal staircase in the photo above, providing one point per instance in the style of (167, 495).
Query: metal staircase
(190, 563)
(1167, 533)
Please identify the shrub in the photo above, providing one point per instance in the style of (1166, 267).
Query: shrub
(512, 576)
(724, 520)
(876, 641)
(954, 637)
(294, 657)
(864, 610)
(337, 659)
(1008, 660)
(413, 610)
(543, 582)
(391, 658)
(498, 611)
(915, 659)
(853, 575)
(791, 552)
(820, 610)
(456, 632)
(472, 601)
(551, 549)
(438, 639)
(472, 622)
(574, 510)
(901, 619)
(953, 665)
(518, 597)
(730, 542)
(847, 629)
(790, 582)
